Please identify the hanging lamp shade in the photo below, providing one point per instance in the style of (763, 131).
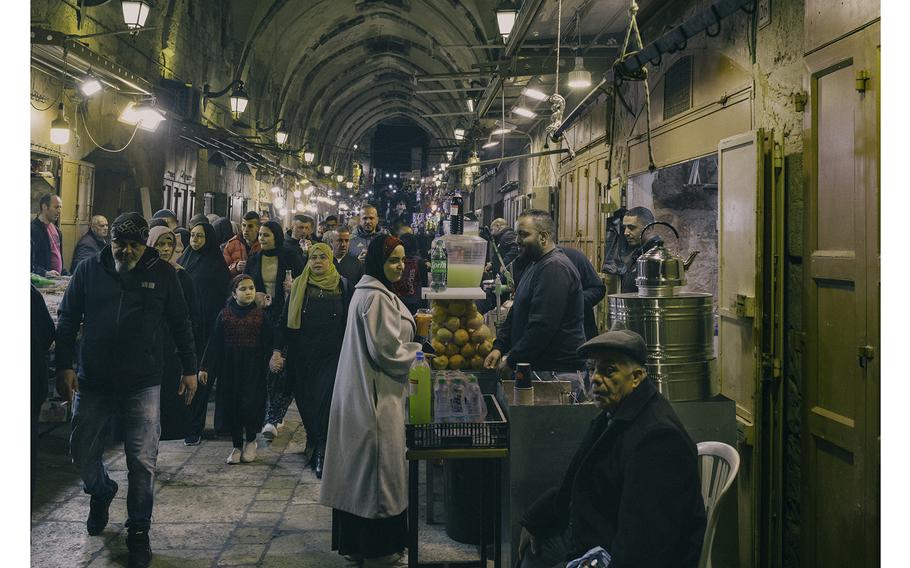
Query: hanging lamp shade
(339, 178)
(239, 100)
(281, 136)
(326, 170)
(135, 12)
(309, 156)
(506, 14)
(579, 78)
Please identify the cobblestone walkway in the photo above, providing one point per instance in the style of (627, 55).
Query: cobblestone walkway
(207, 513)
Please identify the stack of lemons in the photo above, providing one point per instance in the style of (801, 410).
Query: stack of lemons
(459, 336)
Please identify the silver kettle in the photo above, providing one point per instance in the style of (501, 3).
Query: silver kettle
(659, 270)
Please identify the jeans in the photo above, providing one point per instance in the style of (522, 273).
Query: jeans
(141, 426)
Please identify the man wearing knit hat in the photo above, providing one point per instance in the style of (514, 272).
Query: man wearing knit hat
(632, 487)
(125, 298)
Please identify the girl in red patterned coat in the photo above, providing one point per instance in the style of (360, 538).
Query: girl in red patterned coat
(237, 354)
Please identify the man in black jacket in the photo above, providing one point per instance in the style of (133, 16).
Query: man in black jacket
(545, 326)
(91, 242)
(634, 221)
(633, 485)
(125, 298)
(46, 240)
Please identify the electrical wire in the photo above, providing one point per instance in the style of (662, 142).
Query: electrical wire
(62, 84)
(85, 126)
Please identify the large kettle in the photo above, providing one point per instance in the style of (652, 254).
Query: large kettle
(659, 270)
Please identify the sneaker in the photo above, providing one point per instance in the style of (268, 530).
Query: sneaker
(249, 452)
(269, 431)
(192, 440)
(140, 551)
(234, 458)
(98, 512)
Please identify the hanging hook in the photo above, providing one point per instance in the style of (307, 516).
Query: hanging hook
(685, 40)
(659, 58)
(716, 20)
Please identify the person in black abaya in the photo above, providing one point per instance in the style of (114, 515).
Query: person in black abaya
(176, 417)
(311, 331)
(205, 265)
(268, 268)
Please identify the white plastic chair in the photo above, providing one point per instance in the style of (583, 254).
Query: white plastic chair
(718, 465)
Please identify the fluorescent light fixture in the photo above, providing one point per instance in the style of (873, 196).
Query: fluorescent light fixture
(522, 111)
(135, 12)
(491, 144)
(470, 103)
(449, 155)
(459, 134)
(499, 131)
(506, 13)
(281, 136)
(535, 94)
(146, 116)
(308, 157)
(90, 85)
(60, 128)
(579, 78)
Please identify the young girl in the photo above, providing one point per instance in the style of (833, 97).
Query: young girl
(237, 354)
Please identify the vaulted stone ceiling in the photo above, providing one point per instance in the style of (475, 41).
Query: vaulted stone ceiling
(334, 69)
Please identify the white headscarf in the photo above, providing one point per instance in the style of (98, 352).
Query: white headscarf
(155, 234)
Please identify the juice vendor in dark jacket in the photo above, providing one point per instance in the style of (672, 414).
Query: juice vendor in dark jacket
(545, 326)
(633, 485)
(125, 298)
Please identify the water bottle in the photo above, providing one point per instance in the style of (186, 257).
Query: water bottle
(475, 407)
(439, 266)
(419, 391)
(456, 401)
(441, 412)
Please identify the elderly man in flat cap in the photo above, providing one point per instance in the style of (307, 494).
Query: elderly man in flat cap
(632, 487)
(125, 298)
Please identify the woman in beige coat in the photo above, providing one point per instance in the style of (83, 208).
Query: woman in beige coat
(365, 474)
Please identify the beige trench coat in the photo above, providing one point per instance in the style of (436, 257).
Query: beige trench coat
(365, 471)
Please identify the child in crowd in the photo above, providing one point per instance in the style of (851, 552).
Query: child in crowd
(237, 354)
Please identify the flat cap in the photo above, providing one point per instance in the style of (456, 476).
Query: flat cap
(164, 214)
(623, 340)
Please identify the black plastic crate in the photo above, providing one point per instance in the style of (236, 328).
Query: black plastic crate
(491, 433)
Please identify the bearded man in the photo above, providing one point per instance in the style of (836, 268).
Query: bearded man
(125, 298)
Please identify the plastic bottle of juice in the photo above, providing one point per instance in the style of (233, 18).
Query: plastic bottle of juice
(419, 391)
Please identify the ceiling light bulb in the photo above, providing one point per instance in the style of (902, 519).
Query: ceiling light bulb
(60, 128)
(355, 146)
(281, 137)
(579, 78)
(491, 144)
(90, 85)
(522, 111)
(535, 94)
(135, 12)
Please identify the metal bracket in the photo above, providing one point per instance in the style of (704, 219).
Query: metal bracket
(865, 353)
(800, 100)
(744, 306)
(862, 77)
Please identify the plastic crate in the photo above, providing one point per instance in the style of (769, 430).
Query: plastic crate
(491, 433)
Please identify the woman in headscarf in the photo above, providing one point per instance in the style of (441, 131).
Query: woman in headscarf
(311, 331)
(365, 478)
(205, 265)
(268, 268)
(223, 230)
(175, 415)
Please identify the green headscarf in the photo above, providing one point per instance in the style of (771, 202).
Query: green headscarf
(328, 281)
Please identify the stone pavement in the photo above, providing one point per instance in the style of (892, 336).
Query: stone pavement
(207, 513)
